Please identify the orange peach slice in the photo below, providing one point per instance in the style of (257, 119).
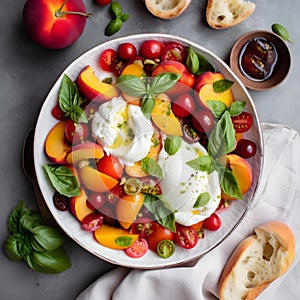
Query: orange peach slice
(109, 236)
(78, 206)
(84, 151)
(96, 181)
(56, 145)
(93, 88)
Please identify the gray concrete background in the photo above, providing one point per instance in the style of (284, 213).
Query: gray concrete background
(28, 73)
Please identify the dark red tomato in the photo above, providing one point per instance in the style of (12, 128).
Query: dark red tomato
(138, 249)
(117, 66)
(245, 148)
(76, 132)
(115, 194)
(213, 222)
(189, 134)
(151, 49)
(103, 2)
(183, 106)
(186, 236)
(107, 212)
(159, 233)
(92, 221)
(111, 166)
(174, 51)
(242, 122)
(95, 200)
(142, 226)
(60, 201)
(106, 59)
(57, 113)
(127, 51)
(203, 120)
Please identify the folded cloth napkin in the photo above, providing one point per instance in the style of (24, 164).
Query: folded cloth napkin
(278, 198)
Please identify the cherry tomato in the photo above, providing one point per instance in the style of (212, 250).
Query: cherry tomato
(245, 148)
(186, 236)
(159, 233)
(92, 221)
(142, 226)
(107, 212)
(174, 51)
(188, 133)
(151, 49)
(127, 51)
(117, 66)
(60, 201)
(150, 186)
(103, 2)
(203, 120)
(111, 166)
(57, 113)
(95, 200)
(242, 122)
(213, 222)
(76, 132)
(165, 248)
(183, 106)
(138, 249)
(107, 58)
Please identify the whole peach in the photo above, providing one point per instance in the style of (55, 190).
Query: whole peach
(54, 24)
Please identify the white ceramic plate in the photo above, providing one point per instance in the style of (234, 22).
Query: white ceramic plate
(230, 217)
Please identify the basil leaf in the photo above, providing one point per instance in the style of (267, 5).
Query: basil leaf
(222, 85)
(124, 241)
(163, 82)
(222, 138)
(78, 115)
(203, 163)
(63, 180)
(164, 215)
(68, 94)
(236, 108)
(172, 144)
(132, 85)
(50, 262)
(113, 27)
(124, 17)
(192, 61)
(217, 107)
(11, 248)
(151, 167)
(202, 200)
(204, 65)
(281, 31)
(147, 105)
(27, 222)
(116, 8)
(48, 238)
(230, 186)
(15, 217)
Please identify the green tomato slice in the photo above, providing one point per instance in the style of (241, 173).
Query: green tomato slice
(165, 248)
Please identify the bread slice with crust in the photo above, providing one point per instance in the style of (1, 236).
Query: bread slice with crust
(221, 14)
(167, 9)
(257, 261)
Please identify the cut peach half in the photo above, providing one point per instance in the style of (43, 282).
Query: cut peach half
(78, 206)
(96, 181)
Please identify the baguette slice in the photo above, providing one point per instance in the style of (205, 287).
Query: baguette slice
(221, 14)
(167, 9)
(257, 261)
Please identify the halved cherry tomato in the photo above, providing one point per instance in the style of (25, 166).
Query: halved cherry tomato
(213, 222)
(183, 106)
(186, 236)
(106, 59)
(76, 132)
(57, 113)
(174, 51)
(115, 194)
(117, 66)
(111, 166)
(159, 233)
(138, 249)
(151, 49)
(165, 248)
(60, 201)
(242, 122)
(127, 51)
(190, 135)
(142, 226)
(92, 221)
(108, 214)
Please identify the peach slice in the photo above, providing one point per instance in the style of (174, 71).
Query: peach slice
(93, 88)
(56, 145)
(108, 236)
(78, 206)
(84, 151)
(242, 171)
(96, 181)
(164, 118)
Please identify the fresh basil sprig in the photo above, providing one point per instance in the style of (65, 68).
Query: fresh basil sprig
(219, 107)
(147, 88)
(151, 167)
(39, 245)
(63, 180)
(69, 100)
(163, 213)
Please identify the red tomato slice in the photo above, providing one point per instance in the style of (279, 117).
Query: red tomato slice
(186, 236)
(106, 59)
(174, 51)
(138, 249)
(92, 221)
(142, 226)
(242, 122)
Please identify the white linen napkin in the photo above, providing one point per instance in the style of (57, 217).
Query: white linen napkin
(278, 198)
